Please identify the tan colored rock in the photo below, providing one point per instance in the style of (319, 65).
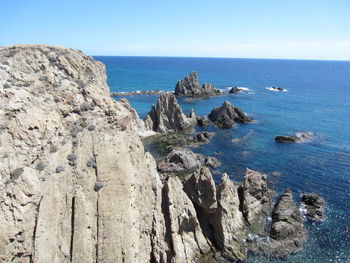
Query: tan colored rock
(189, 243)
(256, 200)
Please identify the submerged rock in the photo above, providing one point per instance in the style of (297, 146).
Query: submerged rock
(167, 116)
(189, 86)
(296, 137)
(227, 115)
(314, 205)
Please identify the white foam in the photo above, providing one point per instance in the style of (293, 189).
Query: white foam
(275, 89)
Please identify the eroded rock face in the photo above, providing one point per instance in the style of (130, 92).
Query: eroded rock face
(256, 200)
(189, 86)
(183, 226)
(76, 184)
(167, 116)
(314, 205)
(227, 115)
(229, 225)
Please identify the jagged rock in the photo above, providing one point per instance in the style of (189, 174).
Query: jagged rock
(183, 226)
(287, 225)
(179, 160)
(203, 121)
(256, 200)
(189, 86)
(296, 137)
(314, 205)
(227, 115)
(58, 217)
(167, 116)
(200, 187)
(229, 225)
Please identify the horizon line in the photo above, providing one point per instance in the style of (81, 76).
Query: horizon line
(262, 58)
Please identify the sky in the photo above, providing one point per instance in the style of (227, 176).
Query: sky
(292, 29)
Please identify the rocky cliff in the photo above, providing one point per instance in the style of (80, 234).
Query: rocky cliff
(76, 184)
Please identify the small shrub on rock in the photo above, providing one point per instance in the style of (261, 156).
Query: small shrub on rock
(72, 158)
(91, 163)
(59, 169)
(98, 186)
(41, 166)
(15, 174)
(91, 127)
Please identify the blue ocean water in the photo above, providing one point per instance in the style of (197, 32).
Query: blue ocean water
(317, 100)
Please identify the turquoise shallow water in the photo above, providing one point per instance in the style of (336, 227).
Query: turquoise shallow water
(317, 100)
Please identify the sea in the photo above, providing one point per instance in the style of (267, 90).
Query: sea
(317, 100)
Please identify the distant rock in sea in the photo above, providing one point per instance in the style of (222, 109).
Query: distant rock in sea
(296, 137)
(227, 115)
(189, 86)
(314, 206)
(273, 88)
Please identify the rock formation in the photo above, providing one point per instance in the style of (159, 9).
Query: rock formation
(167, 116)
(234, 90)
(203, 121)
(227, 115)
(256, 200)
(189, 86)
(76, 184)
(314, 205)
(296, 137)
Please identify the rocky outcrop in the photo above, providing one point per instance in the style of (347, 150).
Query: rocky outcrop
(179, 160)
(314, 206)
(287, 226)
(296, 137)
(167, 116)
(76, 183)
(189, 86)
(203, 121)
(227, 115)
(229, 227)
(256, 200)
(234, 90)
(184, 230)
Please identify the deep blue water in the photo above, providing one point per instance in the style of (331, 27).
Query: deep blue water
(317, 100)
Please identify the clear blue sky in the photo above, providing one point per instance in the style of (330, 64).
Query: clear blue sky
(305, 29)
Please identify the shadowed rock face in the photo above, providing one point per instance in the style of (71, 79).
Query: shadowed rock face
(167, 116)
(189, 86)
(227, 115)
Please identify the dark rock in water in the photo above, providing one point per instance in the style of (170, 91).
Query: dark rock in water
(203, 121)
(234, 90)
(167, 116)
(256, 200)
(296, 137)
(189, 86)
(179, 160)
(314, 205)
(227, 115)
(287, 225)
(211, 162)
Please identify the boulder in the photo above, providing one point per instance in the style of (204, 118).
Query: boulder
(314, 206)
(189, 86)
(179, 160)
(227, 115)
(256, 200)
(296, 137)
(234, 90)
(167, 116)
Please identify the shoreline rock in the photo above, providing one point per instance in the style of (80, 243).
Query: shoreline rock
(314, 205)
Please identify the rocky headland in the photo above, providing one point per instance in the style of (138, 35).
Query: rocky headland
(76, 184)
